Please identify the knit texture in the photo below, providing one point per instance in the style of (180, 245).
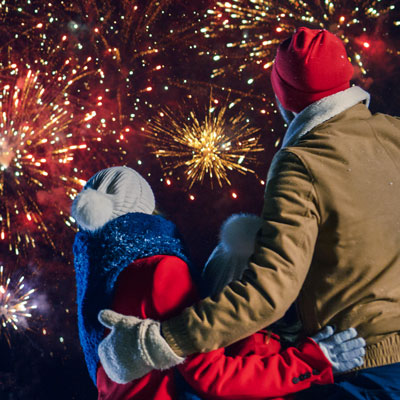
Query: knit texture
(99, 258)
(309, 66)
(110, 193)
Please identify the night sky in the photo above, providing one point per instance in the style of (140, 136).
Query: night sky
(86, 85)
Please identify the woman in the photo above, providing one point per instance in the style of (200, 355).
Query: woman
(130, 260)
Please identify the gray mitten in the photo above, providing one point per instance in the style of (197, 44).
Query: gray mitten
(344, 350)
(133, 348)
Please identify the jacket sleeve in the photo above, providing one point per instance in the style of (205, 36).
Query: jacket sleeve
(276, 271)
(167, 289)
(218, 376)
(173, 288)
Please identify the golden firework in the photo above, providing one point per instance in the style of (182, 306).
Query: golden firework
(209, 143)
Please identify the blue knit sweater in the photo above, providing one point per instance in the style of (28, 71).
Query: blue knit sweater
(101, 256)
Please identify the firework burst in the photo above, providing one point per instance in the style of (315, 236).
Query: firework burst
(16, 304)
(122, 37)
(55, 117)
(250, 30)
(42, 131)
(204, 143)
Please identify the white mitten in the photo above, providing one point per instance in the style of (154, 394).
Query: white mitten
(133, 348)
(344, 350)
(230, 258)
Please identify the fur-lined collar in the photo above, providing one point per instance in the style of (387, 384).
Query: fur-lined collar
(321, 111)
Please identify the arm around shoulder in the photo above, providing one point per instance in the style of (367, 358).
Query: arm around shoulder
(276, 272)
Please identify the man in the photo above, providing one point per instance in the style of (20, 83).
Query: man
(331, 231)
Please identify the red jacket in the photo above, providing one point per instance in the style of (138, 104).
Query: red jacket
(159, 287)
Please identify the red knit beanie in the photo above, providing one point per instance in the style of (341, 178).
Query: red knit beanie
(310, 65)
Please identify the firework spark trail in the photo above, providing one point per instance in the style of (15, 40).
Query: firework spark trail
(42, 133)
(124, 34)
(121, 36)
(252, 29)
(204, 144)
(36, 124)
(15, 304)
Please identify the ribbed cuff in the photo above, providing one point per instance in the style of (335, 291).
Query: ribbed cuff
(159, 353)
(167, 332)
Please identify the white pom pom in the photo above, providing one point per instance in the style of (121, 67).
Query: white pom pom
(92, 209)
(238, 234)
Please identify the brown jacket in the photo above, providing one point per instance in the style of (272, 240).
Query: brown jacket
(331, 237)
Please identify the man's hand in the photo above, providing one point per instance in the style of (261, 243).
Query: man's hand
(344, 350)
(133, 348)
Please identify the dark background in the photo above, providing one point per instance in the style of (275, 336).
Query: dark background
(43, 359)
